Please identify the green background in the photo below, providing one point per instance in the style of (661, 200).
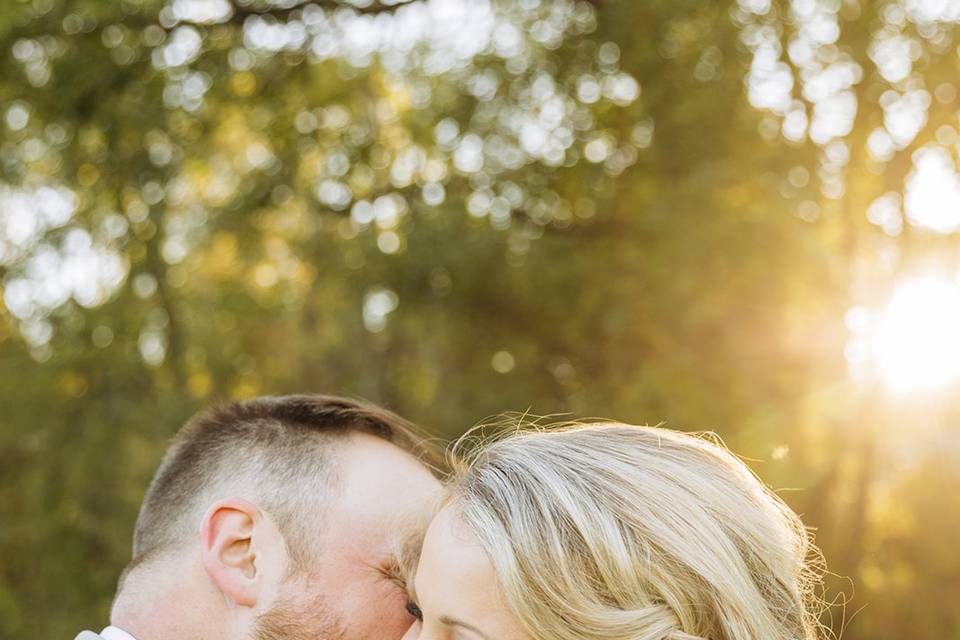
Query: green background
(288, 206)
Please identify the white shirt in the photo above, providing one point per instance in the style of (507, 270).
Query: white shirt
(115, 633)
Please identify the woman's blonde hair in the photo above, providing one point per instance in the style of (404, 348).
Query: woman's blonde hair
(614, 532)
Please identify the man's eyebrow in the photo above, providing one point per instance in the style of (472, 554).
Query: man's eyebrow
(407, 541)
(453, 622)
(405, 552)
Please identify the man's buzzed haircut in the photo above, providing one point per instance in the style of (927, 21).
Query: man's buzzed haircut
(278, 452)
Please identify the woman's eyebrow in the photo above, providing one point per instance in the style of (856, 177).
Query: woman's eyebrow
(453, 622)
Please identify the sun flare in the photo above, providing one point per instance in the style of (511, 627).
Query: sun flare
(916, 341)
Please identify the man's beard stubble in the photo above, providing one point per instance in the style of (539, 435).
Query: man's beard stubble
(299, 619)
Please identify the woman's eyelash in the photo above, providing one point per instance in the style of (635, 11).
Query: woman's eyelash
(414, 610)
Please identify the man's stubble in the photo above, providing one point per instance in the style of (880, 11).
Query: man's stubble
(300, 618)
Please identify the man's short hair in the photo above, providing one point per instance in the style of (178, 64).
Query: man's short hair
(278, 452)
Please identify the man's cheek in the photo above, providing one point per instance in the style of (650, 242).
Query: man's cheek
(393, 621)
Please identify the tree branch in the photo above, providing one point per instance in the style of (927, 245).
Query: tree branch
(240, 14)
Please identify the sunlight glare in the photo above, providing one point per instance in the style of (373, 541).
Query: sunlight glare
(933, 191)
(917, 340)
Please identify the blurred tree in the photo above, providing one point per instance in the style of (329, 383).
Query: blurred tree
(655, 211)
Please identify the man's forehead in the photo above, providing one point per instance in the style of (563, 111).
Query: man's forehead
(385, 501)
(381, 478)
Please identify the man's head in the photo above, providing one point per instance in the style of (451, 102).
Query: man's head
(276, 518)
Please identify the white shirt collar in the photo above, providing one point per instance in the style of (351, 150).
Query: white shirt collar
(115, 633)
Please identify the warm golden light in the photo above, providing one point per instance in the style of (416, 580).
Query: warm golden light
(916, 342)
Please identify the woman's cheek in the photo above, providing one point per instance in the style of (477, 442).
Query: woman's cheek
(414, 631)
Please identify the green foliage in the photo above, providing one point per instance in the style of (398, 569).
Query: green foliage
(566, 207)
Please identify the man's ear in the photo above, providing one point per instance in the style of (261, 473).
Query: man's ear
(229, 549)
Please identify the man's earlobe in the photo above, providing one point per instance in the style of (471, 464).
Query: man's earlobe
(227, 549)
